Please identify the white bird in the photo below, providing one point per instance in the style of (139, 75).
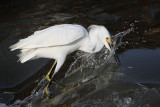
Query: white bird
(56, 42)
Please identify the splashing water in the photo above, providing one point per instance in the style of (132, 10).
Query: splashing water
(98, 59)
(116, 40)
(87, 69)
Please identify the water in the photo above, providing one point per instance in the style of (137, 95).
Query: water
(133, 59)
(129, 79)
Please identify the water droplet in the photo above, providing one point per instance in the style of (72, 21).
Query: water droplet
(127, 100)
(126, 42)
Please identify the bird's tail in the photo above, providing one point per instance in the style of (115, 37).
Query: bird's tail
(26, 55)
(20, 45)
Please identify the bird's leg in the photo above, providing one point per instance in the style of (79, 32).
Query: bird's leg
(50, 82)
(54, 82)
(48, 76)
(58, 66)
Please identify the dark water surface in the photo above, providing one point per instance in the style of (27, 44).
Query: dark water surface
(89, 79)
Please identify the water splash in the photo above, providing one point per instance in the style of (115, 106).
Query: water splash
(117, 40)
(96, 60)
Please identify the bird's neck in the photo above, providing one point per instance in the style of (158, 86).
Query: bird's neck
(92, 45)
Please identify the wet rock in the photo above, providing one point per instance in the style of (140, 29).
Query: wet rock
(54, 89)
(121, 95)
(6, 97)
(79, 84)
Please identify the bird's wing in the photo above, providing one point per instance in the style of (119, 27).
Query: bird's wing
(53, 36)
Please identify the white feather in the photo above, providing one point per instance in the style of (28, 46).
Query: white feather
(52, 36)
(58, 41)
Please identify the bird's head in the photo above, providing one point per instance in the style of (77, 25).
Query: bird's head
(105, 37)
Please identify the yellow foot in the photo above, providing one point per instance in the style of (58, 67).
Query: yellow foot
(46, 89)
(47, 76)
(56, 86)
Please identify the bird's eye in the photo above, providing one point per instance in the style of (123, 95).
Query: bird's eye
(108, 40)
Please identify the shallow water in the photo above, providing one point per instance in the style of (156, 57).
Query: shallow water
(101, 82)
(132, 62)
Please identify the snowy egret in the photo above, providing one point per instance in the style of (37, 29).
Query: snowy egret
(56, 42)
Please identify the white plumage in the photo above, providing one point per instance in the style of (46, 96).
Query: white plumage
(52, 36)
(58, 41)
